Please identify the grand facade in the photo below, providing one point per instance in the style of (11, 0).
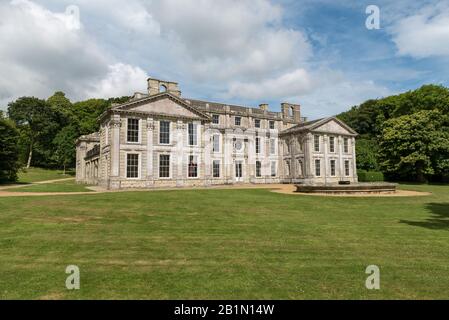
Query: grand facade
(160, 139)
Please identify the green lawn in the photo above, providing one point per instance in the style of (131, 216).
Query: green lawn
(60, 186)
(38, 174)
(224, 244)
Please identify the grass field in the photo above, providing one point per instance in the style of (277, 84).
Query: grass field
(224, 244)
(59, 186)
(38, 174)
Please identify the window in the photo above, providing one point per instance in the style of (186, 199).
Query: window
(164, 132)
(132, 166)
(300, 170)
(273, 168)
(287, 168)
(193, 166)
(238, 121)
(332, 144)
(316, 142)
(318, 168)
(216, 168)
(333, 168)
(271, 124)
(164, 166)
(193, 134)
(257, 145)
(346, 145)
(215, 119)
(216, 143)
(272, 146)
(133, 130)
(258, 169)
(347, 173)
(257, 123)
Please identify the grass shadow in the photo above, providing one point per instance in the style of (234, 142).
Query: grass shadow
(439, 219)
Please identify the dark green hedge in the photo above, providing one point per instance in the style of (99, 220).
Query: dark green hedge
(370, 176)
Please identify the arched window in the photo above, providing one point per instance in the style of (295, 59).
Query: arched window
(291, 112)
(162, 88)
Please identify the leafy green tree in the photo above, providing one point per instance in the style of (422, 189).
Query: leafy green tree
(416, 146)
(65, 146)
(38, 123)
(9, 153)
(367, 151)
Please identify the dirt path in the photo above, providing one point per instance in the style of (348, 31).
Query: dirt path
(277, 188)
(14, 186)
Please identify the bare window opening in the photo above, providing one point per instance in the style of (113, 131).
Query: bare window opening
(290, 112)
(162, 88)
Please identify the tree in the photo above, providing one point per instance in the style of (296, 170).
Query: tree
(9, 153)
(65, 146)
(416, 146)
(38, 122)
(367, 154)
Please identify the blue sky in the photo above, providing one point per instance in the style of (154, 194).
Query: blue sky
(318, 53)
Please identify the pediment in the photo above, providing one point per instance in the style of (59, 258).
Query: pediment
(334, 126)
(165, 105)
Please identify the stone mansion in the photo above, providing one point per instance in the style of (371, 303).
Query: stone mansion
(161, 139)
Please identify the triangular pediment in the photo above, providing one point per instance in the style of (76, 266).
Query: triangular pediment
(165, 105)
(333, 126)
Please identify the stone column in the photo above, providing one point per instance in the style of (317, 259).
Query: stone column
(179, 155)
(354, 161)
(326, 160)
(150, 148)
(341, 161)
(206, 150)
(115, 152)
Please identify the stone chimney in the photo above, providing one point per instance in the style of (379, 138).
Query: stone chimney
(264, 106)
(156, 86)
(291, 112)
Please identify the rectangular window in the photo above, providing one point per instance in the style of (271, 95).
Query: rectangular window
(132, 166)
(216, 168)
(273, 168)
(257, 145)
(318, 168)
(287, 168)
(193, 134)
(333, 168)
(164, 132)
(238, 121)
(271, 124)
(347, 170)
(215, 119)
(258, 169)
(193, 166)
(316, 142)
(346, 145)
(272, 146)
(216, 143)
(332, 144)
(257, 123)
(164, 166)
(133, 130)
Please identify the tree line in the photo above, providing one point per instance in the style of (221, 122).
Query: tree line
(405, 136)
(42, 133)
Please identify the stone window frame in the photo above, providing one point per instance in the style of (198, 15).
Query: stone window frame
(258, 169)
(258, 143)
(192, 136)
(139, 126)
(139, 165)
(257, 123)
(332, 144)
(346, 145)
(217, 118)
(272, 125)
(238, 121)
(160, 132)
(347, 166)
(273, 147)
(216, 143)
(317, 163)
(169, 166)
(316, 143)
(273, 169)
(214, 168)
(194, 165)
(333, 167)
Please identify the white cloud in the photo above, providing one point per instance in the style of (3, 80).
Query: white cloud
(423, 34)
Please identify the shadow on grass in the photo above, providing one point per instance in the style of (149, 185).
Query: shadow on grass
(438, 220)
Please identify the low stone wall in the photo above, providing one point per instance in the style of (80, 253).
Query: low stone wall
(359, 188)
